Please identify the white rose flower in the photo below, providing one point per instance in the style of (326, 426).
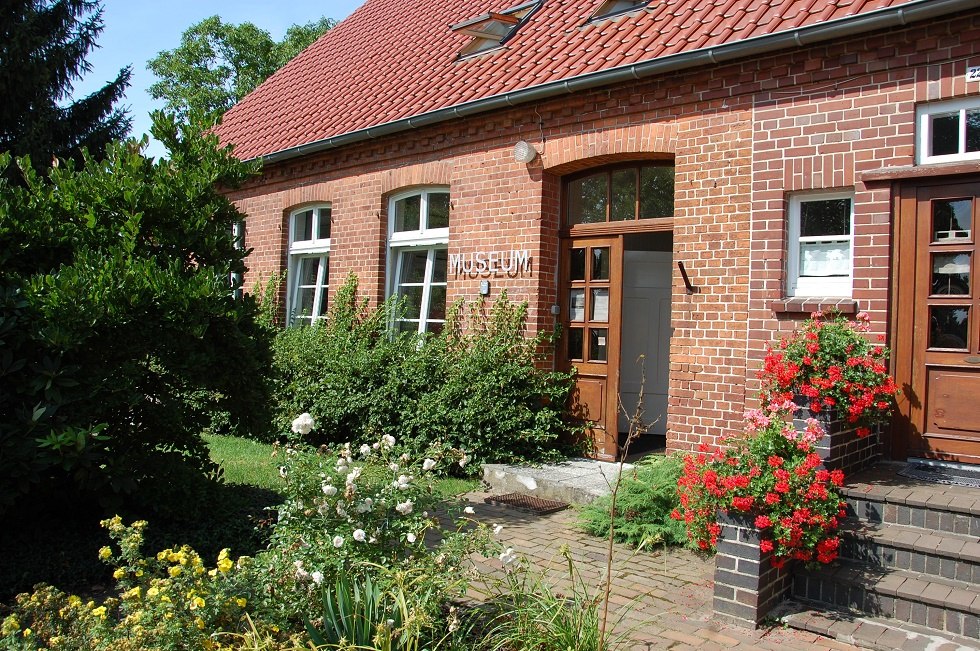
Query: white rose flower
(393, 467)
(388, 441)
(353, 475)
(302, 424)
(465, 460)
(402, 482)
(497, 528)
(301, 574)
(329, 490)
(410, 537)
(375, 445)
(469, 511)
(338, 542)
(404, 507)
(428, 465)
(365, 450)
(317, 577)
(359, 535)
(341, 511)
(508, 557)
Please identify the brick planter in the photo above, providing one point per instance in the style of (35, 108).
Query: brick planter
(747, 586)
(841, 447)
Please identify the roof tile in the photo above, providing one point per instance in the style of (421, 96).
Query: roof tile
(392, 59)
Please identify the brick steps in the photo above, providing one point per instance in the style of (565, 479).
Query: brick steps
(941, 604)
(909, 572)
(948, 555)
(876, 633)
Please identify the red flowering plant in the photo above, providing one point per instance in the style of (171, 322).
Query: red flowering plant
(830, 362)
(774, 476)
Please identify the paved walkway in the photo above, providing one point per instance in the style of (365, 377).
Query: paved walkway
(660, 598)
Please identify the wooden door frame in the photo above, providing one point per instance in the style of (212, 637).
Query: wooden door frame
(907, 361)
(607, 448)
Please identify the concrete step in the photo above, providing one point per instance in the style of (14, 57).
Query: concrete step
(881, 495)
(878, 633)
(933, 553)
(576, 481)
(944, 605)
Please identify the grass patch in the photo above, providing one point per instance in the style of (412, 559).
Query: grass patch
(245, 461)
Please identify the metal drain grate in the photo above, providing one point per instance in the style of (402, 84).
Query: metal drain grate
(527, 503)
(942, 474)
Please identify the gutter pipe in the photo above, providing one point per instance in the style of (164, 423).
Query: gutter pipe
(911, 12)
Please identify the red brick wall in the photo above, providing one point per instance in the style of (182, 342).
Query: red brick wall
(743, 136)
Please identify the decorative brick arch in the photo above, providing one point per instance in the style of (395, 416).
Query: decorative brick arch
(431, 173)
(567, 154)
(307, 194)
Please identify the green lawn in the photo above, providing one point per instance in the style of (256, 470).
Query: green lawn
(247, 462)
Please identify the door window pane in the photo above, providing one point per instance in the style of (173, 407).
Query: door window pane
(948, 326)
(623, 195)
(946, 134)
(576, 305)
(587, 200)
(407, 213)
(439, 210)
(597, 344)
(656, 191)
(951, 219)
(600, 263)
(951, 274)
(578, 264)
(600, 305)
(575, 341)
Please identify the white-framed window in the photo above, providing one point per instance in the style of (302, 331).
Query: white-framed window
(949, 131)
(821, 244)
(238, 238)
(418, 240)
(309, 264)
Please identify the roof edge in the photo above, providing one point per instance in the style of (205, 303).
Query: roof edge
(843, 27)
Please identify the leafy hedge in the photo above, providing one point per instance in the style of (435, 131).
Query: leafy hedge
(476, 387)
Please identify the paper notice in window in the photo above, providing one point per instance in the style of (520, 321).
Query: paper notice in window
(600, 341)
(600, 304)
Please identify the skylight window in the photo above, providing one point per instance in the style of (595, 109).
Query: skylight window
(491, 30)
(611, 8)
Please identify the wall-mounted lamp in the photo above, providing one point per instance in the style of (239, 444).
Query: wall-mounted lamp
(524, 152)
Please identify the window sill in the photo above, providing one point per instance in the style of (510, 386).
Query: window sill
(809, 304)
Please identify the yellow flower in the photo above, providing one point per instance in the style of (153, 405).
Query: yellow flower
(152, 591)
(133, 593)
(105, 553)
(28, 632)
(99, 612)
(200, 623)
(196, 602)
(55, 641)
(225, 565)
(241, 602)
(74, 601)
(174, 571)
(119, 573)
(10, 625)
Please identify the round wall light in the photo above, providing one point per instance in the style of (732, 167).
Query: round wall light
(524, 152)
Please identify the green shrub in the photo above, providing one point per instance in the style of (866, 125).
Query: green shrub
(119, 335)
(646, 499)
(476, 387)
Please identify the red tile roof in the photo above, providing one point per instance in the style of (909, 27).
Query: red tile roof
(395, 59)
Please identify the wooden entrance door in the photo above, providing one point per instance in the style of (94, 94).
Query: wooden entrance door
(946, 340)
(590, 301)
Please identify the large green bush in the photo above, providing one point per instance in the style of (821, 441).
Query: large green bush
(476, 387)
(119, 335)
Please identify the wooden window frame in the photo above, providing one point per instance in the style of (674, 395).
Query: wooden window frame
(635, 225)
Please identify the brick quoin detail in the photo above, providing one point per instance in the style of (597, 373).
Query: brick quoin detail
(744, 136)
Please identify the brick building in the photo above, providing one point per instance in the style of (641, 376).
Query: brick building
(683, 179)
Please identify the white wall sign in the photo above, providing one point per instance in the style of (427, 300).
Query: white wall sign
(490, 263)
(973, 73)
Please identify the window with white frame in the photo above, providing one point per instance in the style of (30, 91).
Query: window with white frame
(309, 264)
(821, 250)
(238, 239)
(949, 131)
(418, 257)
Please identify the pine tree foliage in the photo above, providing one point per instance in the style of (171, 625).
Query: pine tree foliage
(43, 45)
